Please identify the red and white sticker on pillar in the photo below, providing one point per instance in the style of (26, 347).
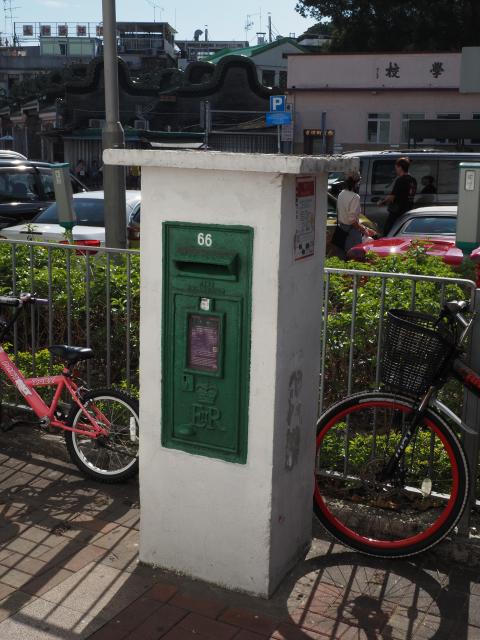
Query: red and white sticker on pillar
(305, 217)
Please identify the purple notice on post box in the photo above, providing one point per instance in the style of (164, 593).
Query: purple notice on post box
(203, 342)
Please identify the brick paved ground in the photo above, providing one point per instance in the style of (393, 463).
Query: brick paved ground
(68, 570)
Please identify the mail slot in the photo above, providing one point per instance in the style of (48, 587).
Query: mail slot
(206, 339)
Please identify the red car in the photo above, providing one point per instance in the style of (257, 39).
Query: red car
(434, 227)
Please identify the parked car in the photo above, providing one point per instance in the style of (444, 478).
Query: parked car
(26, 189)
(436, 173)
(90, 226)
(435, 227)
(6, 154)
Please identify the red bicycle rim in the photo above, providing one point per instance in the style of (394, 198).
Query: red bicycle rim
(394, 544)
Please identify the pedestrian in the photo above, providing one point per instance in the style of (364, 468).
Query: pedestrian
(402, 196)
(350, 231)
(95, 174)
(81, 171)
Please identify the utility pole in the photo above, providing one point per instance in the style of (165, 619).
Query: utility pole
(112, 135)
(270, 27)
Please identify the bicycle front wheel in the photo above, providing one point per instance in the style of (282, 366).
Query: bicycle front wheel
(113, 458)
(410, 511)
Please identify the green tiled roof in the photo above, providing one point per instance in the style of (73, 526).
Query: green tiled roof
(250, 52)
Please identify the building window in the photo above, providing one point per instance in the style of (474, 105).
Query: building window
(447, 116)
(268, 78)
(379, 128)
(406, 117)
(282, 79)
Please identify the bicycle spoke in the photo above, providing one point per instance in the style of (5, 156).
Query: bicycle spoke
(118, 450)
(352, 454)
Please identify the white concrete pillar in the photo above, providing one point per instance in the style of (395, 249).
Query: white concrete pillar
(241, 526)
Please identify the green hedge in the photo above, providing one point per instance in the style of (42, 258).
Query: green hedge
(398, 294)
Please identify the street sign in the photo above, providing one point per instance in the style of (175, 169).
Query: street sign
(277, 118)
(287, 132)
(278, 103)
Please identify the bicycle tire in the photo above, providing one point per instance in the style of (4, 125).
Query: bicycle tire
(371, 545)
(78, 457)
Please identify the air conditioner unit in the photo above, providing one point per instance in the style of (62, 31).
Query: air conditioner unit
(140, 124)
(96, 123)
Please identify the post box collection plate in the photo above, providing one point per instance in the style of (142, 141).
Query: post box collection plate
(207, 282)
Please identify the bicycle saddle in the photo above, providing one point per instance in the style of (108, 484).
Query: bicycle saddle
(71, 355)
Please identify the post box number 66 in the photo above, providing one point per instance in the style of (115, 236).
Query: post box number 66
(204, 239)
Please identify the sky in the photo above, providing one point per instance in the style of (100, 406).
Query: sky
(225, 20)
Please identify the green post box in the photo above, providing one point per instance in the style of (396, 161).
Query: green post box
(207, 276)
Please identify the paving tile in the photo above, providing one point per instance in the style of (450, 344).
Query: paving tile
(432, 627)
(249, 620)
(99, 590)
(13, 577)
(162, 591)
(13, 603)
(83, 557)
(42, 620)
(156, 625)
(119, 535)
(472, 613)
(122, 553)
(461, 631)
(403, 623)
(27, 547)
(127, 620)
(320, 624)
(195, 623)
(59, 554)
(5, 590)
(9, 532)
(94, 524)
(206, 606)
(289, 632)
(249, 635)
(10, 558)
(46, 581)
(39, 535)
(182, 634)
(32, 566)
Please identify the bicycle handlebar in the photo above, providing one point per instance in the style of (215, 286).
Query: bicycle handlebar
(9, 302)
(26, 298)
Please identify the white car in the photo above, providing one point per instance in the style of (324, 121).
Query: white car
(89, 210)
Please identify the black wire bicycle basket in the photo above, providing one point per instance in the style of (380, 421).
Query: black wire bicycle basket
(415, 350)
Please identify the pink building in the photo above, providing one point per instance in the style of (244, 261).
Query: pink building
(368, 99)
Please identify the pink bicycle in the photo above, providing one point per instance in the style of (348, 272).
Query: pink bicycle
(101, 426)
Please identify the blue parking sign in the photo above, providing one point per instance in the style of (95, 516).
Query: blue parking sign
(278, 103)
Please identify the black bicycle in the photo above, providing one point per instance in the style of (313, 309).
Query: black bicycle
(391, 476)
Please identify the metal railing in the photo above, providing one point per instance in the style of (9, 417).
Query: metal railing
(94, 302)
(342, 305)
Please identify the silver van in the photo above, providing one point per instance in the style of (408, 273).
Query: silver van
(436, 173)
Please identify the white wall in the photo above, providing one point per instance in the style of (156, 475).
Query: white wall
(274, 60)
(369, 71)
(347, 111)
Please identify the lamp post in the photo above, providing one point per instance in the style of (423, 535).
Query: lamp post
(112, 135)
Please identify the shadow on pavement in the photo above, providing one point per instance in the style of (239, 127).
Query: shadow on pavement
(68, 569)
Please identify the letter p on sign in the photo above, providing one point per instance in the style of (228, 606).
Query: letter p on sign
(277, 103)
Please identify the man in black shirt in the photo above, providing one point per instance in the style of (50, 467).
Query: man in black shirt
(403, 193)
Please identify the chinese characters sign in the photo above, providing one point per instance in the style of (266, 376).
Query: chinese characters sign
(393, 70)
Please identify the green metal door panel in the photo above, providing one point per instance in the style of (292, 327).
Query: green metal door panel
(206, 339)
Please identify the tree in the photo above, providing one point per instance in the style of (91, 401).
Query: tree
(397, 25)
